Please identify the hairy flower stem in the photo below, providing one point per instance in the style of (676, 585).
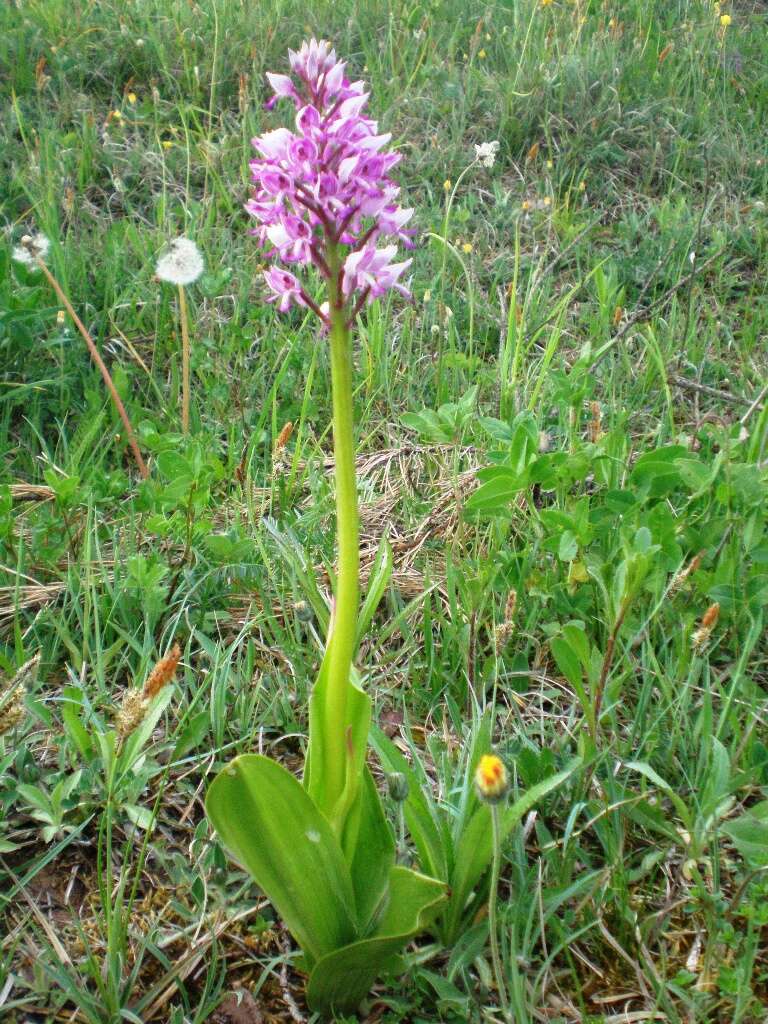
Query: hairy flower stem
(101, 365)
(341, 640)
(492, 902)
(184, 360)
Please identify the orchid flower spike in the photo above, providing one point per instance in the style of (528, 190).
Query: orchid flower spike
(326, 188)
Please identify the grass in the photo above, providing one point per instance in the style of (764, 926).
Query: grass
(588, 333)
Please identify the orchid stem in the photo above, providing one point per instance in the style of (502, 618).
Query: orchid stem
(343, 631)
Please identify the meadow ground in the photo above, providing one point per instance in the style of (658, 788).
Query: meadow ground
(563, 438)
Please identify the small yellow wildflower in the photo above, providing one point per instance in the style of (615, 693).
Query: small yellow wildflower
(61, 317)
(427, 295)
(547, 200)
(546, 3)
(467, 247)
(550, 165)
(167, 143)
(725, 20)
(116, 115)
(491, 778)
(447, 185)
(131, 97)
(482, 54)
(525, 205)
(582, 185)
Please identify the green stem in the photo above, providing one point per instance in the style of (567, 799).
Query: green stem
(492, 924)
(343, 630)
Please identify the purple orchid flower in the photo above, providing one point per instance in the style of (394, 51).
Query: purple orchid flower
(326, 187)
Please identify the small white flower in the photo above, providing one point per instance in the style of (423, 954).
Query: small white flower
(486, 153)
(31, 246)
(182, 264)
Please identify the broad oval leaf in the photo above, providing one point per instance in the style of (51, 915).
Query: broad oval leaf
(267, 820)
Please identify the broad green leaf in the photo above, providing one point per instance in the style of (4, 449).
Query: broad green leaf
(374, 855)
(336, 806)
(749, 834)
(341, 980)
(267, 820)
(494, 496)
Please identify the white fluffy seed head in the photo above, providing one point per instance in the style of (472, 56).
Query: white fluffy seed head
(182, 264)
(31, 246)
(486, 153)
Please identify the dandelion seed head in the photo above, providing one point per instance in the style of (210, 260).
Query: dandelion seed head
(32, 247)
(182, 264)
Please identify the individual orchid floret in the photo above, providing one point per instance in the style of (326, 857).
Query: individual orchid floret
(372, 272)
(285, 289)
(324, 196)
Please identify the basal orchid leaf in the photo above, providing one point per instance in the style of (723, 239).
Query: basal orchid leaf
(267, 820)
(374, 856)
(341, 980)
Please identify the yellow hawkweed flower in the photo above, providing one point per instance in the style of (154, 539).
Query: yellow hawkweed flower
(491, 778)
(167, 143)
(725, 20)
(447, 185)
(482, 54)
(467, 247)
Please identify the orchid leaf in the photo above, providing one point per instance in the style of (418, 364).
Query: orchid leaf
(341, 980)
(337, 806)
(267, 820)
(374, 855)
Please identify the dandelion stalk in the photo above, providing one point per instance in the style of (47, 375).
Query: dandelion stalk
(181, 265)
(94, 353)
(492, 904)
(492, 784)
(184, 360)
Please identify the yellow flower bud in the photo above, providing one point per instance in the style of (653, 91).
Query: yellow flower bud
(491, 778)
